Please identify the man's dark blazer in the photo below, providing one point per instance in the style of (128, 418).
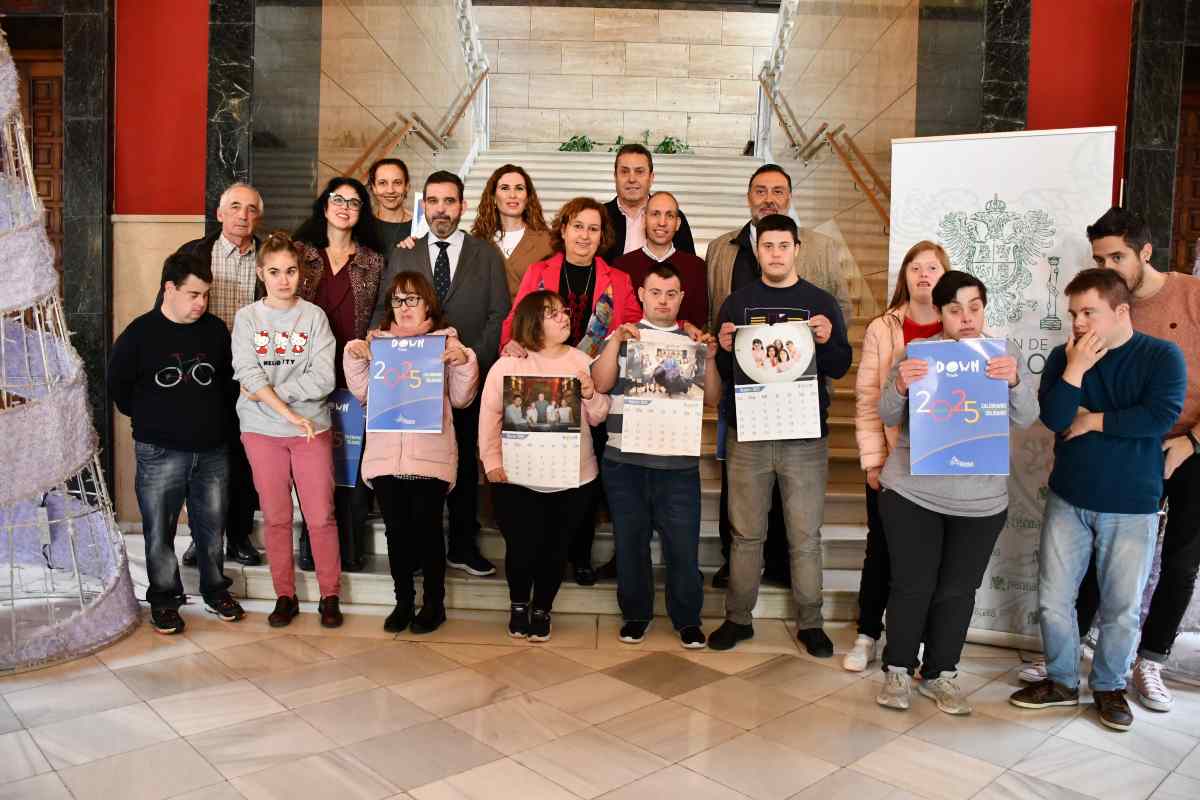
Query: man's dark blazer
(477, 301)
(682, 241)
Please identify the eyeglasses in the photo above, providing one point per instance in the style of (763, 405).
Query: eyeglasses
(410, 300)
(352, 203)
(551, 313)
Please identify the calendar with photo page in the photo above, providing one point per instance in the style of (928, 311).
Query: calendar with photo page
(775, 377)
(540, 430)
(347, 421)
(662, 409)
(404, 393)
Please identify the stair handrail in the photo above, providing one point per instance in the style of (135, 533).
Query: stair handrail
(840, 151)
(770, 98)
(355, 168)
(448, 130)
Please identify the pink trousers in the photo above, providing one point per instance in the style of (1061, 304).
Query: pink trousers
(275, 462)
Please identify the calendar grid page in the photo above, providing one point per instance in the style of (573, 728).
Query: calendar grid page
(542, 460)
(767, 411)
(662, 409)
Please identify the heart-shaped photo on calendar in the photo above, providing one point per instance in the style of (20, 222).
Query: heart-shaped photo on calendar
(774, 353)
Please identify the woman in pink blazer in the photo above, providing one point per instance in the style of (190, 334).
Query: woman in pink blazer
(412, 472)
(910, 315)
(598, 298)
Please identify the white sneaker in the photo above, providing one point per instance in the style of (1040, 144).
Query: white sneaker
(862, 654)
(896, 691)
(1033, 672)
(1148, 686)
(946, 693)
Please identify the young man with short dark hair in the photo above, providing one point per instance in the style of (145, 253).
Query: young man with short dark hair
(171, 372)
(653, 492)
(1110, 394)
(799, 466)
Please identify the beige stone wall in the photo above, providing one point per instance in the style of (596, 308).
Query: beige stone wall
(140, 245)
(380, 57)
(854, 66)
(606, 72)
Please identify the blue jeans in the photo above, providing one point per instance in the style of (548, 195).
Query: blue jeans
(165, 480)
(1124, 551)
(642, 500)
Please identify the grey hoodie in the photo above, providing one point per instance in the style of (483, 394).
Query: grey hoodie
(293, 352)
(961, 496)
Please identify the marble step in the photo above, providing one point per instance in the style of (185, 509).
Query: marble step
(374, 587)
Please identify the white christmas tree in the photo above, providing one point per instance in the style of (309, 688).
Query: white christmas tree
(65, 588)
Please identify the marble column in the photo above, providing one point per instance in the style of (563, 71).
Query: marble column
(87, 193)
(1156, 88)
(1005, 79)
(949, 66)
(230, 90)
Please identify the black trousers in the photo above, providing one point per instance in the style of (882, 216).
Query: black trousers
(777, 558)
(243, 498)
(938, 561)
(412, 512)
(351, 507)
(537, 528)
(876, 572)
(580, 550)
(1177, 576)
(463, 501)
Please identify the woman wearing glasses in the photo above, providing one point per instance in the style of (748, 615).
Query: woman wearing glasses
(412, 472)
(537, 522)
(340, 266)
(599, 299)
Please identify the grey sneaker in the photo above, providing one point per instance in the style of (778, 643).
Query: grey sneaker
(896, 691)
(946, 693)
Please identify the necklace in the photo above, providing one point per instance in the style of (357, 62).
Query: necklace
(587, 284)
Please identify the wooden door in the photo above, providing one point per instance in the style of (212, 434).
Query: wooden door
(1187, 185)
(41, 84)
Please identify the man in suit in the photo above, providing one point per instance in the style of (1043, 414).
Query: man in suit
(634, 175)
(468, 275)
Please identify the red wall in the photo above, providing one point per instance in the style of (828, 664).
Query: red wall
(1079, 67)
(161, 99)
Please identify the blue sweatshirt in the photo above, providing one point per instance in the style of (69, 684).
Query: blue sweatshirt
(1139, 387)
(801, 300)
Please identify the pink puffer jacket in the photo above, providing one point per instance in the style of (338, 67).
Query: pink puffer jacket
(883, 343)
(430, 455)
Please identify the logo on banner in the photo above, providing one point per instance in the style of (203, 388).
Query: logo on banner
(1000, 247)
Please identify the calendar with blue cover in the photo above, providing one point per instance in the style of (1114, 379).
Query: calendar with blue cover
(404, 393)
(347, 417)
(957, 415)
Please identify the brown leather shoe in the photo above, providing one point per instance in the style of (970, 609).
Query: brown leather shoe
(286, 609)
(331, 615)
(1045, 694)
(1114, 709)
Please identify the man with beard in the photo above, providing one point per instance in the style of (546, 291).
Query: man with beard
(468, 275)
(732, 264)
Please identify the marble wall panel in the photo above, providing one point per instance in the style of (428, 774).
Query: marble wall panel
(594, 58)
(604, 126)
(623, 93)
(739, 97)
(719, 130)
(693, 27)
(503, 22)
(625, 25)
(747, 28)
(563, 24)
(657, 60)
(660, 124)
(525, 124)
(721, 61)
(689, 94)
(531, 57)
(561, 91)
(509, 91)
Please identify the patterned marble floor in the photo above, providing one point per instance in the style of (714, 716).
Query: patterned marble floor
(243, 711)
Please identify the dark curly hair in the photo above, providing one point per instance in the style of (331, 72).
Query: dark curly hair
(315, 229)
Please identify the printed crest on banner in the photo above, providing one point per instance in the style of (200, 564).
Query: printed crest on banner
(1000, 247)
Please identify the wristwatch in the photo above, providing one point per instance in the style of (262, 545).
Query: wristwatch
(1195, 442)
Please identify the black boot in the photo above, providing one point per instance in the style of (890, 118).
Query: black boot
(242, 552)
(304, 559)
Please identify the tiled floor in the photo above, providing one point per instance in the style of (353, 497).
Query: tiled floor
(243, 711)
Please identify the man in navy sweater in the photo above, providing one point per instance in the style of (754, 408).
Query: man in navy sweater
(800, 465)
(1111, 395)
